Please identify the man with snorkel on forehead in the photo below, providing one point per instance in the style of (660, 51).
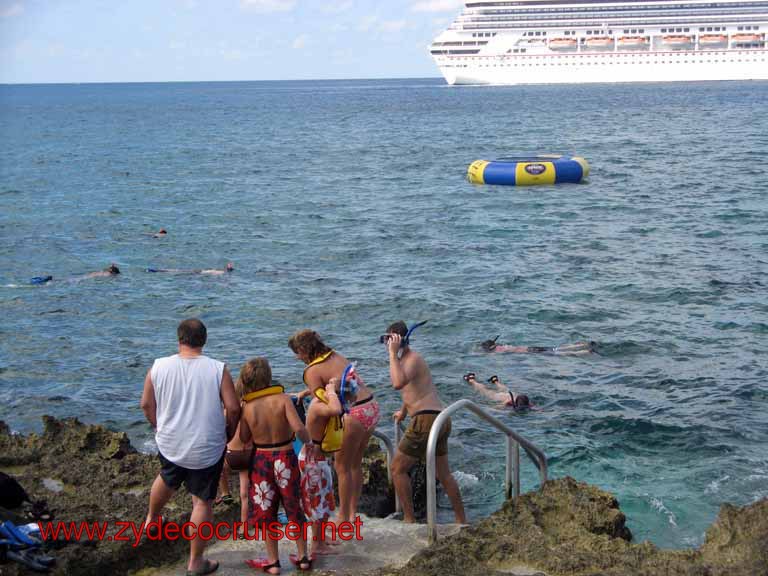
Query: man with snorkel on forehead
(411, 376)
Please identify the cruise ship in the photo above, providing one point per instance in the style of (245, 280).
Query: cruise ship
(562, 41)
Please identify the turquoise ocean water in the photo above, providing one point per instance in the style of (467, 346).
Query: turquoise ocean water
(344, 206)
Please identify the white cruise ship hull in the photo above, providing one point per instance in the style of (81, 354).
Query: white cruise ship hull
(613, 67)
(581, 41)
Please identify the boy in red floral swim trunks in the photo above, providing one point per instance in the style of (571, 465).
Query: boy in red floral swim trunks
(269, 418)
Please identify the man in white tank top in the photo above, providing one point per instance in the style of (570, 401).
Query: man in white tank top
(190, 401)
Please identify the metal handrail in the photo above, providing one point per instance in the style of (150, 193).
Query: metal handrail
(514, 441)
(390, 456)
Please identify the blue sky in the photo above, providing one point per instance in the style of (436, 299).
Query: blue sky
(180, 40)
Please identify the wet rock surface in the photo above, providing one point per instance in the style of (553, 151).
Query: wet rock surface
(89, 473)
(572, 528)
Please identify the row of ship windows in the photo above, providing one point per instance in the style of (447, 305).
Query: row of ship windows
(483, 34)
(466, 43)
(756, 45)
(518, 10)
(574, 24)
(593, 17)
(616, 56)
(639, 31)
(535, 64)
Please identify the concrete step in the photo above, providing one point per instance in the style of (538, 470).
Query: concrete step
(385, 542)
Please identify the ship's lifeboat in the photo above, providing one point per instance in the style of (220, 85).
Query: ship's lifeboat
(563, 44)
(677, 42)
(746, 39)
(599, 43)
(712, 40)
(633, 43)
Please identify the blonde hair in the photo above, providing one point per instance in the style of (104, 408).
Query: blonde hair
(254, 375)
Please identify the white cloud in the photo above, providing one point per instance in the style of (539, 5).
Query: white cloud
(300, 42)
(338, 7)
(10, 10)
(269, 5)
(437, 6)
(393, 25)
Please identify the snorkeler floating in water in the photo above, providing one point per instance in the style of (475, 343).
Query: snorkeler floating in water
(209, 271)
(501, 394)
(580, 348)
(111, 270)
(162, 233)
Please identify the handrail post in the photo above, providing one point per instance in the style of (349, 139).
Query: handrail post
(390, 456)
(437, 425)
(508, 470)
(516, 469)
(512, 472)
(390, 452)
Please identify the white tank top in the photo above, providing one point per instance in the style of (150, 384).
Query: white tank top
(191, 428)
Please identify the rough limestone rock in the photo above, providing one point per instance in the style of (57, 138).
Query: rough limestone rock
(737, 543)
(378, 496)
(568, 528)
(91, 473)
(571, 528)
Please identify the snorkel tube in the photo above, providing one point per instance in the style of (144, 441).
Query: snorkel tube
(347, 380)
(407, 340)
(40, 279)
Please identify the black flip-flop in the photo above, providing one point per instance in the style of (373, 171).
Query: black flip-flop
(304, 560)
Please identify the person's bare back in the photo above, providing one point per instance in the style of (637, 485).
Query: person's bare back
(271, 421)
(418, 391)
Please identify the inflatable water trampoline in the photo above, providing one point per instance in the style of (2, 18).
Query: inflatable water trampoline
(529, 170)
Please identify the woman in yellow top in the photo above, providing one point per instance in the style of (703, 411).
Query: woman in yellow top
(324, 364)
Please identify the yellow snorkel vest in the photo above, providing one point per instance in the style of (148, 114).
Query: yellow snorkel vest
(319, 360)
(268, 391)
(333, 435)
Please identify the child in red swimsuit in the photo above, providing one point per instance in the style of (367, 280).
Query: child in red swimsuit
(269, 418)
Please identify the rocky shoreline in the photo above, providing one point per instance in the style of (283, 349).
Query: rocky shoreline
(89, 473)
(572, 528)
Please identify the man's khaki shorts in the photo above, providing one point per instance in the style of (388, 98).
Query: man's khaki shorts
(414, 442)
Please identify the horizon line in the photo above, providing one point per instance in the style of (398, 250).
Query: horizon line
(98, 82)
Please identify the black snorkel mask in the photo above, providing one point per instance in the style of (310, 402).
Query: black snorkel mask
(407, 338)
